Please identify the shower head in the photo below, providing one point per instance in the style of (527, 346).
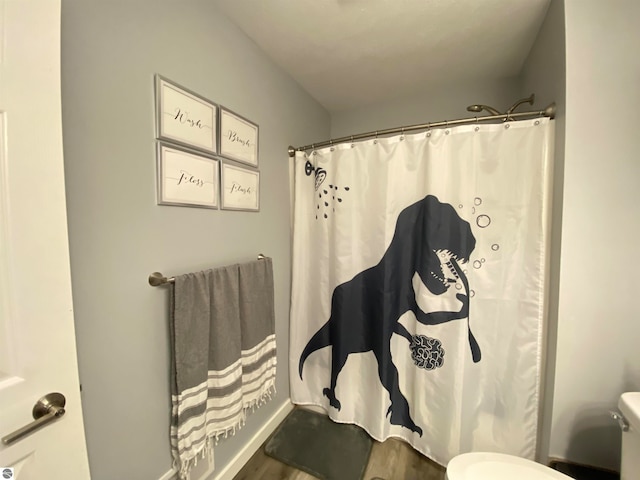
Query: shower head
(479, 108)
(528, 100)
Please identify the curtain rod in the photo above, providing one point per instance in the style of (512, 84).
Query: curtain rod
(550, 112)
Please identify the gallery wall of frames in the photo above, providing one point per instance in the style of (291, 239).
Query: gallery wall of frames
(207, 155)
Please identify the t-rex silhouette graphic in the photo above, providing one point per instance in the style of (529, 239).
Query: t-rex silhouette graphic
(365, 310)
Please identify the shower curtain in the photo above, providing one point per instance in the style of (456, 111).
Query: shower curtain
(418, 285)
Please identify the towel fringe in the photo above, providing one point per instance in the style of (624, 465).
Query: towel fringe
(184, 468)
(213, 438)
(257, 402)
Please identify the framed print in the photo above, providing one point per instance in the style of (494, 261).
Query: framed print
(186, 178)
(238, 138)
(240, 188)
(185, 117)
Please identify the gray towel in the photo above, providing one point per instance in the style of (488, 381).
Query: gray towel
(223, 354)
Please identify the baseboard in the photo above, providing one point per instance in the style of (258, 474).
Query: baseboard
(170, 475)
(252, 446)
(314, 408)
(242, 457)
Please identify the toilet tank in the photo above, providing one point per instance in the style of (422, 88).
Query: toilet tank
(629, 406)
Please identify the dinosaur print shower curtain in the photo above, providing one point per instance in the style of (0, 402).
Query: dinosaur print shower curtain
(418, 287)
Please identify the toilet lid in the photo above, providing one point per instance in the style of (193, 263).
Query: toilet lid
(498, 466)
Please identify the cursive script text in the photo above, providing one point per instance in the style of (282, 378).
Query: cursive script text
(235, 138)
(236, 187)
(183, 117)
(186, 177)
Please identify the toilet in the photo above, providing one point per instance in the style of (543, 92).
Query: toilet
(499, 466)
(629, 406)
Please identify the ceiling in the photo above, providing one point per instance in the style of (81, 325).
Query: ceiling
(350, 53)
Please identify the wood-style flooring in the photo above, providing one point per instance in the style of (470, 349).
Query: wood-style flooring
(390, 460)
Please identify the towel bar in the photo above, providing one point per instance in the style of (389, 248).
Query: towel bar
(156, 278)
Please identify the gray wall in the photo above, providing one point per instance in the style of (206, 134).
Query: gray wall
(598, 313)
(446, 102)
(544, 74)
(118, 235)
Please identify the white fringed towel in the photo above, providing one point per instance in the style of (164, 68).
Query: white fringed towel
(223, 354)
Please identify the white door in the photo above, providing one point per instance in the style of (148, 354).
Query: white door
(37, 340)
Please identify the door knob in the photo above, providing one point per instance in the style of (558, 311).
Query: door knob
(47, 409)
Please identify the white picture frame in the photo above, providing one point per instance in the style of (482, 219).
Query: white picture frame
(238, 138)
(184, 117)
(186, 178)
(240, 188)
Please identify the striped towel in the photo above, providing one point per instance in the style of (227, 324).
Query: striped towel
(223, 355)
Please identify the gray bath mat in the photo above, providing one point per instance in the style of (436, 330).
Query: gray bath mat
(311, 442)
